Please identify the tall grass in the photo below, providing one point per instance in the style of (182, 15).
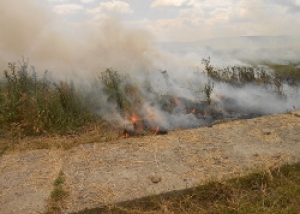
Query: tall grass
(290, 73)
(272, 79)
(114, 87)
(31, 105)
(122, 93)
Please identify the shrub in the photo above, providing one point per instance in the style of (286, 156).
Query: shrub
(31, 105)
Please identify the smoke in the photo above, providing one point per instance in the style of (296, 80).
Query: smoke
(277, 49)
(21, 24)
(28, 29)
(79, 52)
(257, 99)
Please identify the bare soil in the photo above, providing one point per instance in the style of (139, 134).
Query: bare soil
(100, 173)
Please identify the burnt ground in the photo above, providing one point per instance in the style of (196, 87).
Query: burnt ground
(101, 173)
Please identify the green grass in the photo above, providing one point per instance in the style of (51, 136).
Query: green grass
(58, 195)
(272, 192)
(32, 105)
(291, 71)
(58, 192)
(240, 75)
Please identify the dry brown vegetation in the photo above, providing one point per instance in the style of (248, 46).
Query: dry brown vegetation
(274, 191)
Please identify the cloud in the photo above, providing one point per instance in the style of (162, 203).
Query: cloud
(112, 7)
(65, 9)
(58, 1)
(174, 3)
(229, 18)
(290, 5)
(87, 1)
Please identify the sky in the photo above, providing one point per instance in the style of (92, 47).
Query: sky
(189, 20)
(89, 34)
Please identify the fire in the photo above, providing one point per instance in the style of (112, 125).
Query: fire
(158, 131)
(140, 126)
(176, 101)
(136, 122)
(127, 133)
(134, 118)
(194, 111)
(137, 126)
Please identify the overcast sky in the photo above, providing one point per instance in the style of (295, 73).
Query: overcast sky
(189, 20)
(80, 32)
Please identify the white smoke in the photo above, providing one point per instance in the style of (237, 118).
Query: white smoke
(79, 53)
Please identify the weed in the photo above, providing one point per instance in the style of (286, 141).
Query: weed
(113, 83)
(60, 179)
(121, 92)
(241, 75)
(289, 73)
(58, 194)
(31, 105)
(208, 88)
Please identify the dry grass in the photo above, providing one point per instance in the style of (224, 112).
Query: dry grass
(274, 191)
(94, 133)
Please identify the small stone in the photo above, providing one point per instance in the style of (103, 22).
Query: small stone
(266, 131)
(155, 179)
(256, 155)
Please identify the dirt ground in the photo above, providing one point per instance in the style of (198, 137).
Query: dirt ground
(100, 173)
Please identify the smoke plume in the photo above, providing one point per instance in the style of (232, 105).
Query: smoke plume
(79, 52)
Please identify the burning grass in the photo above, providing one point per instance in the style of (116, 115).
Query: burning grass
(33, 105)
(273, 191)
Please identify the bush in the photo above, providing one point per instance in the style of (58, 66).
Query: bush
(31, 105)
(238, 76)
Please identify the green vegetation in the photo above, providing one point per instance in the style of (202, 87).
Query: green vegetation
(270, 192)
(120, 91)
(272, 77)
(208, 88)
(33, 105)
(58, 194)
(290, 72)
(30, 105)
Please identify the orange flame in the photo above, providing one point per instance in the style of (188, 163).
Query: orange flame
(134, 118)
(136, 122)
(127, 134)
(176, 101)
